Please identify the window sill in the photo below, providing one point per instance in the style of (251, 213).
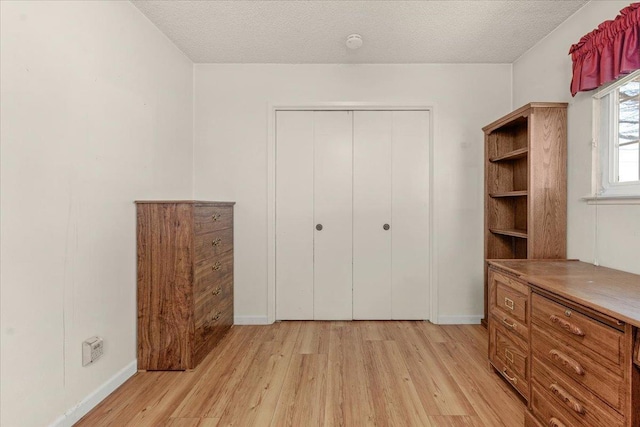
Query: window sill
(612, 200)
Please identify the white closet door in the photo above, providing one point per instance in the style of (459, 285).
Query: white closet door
(372, 137)
(294, 215)
(410, 216)
(333, 211)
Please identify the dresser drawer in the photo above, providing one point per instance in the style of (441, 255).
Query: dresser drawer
(603, 382)
(549, 414)
(571, 399)
(510, 296)
(212, 218)
(207, 302)
(509, 302)
(578, 330)
(509, 355)
(209, 245)
(215, 322)
(211, 271)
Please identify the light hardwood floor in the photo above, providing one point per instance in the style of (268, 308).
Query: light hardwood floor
(325, 374)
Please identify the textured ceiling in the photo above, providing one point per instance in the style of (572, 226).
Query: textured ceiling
(393, 31)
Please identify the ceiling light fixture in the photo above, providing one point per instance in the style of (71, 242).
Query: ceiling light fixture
(354, 41)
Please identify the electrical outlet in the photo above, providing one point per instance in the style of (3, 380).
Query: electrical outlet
(92, 350)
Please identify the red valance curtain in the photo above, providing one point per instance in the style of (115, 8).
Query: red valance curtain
(606, 53)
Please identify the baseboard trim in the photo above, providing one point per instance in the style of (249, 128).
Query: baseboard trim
(251, 320)
(78, 411)
(458, 320)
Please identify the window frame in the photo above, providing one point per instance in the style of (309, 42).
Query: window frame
(605, 144)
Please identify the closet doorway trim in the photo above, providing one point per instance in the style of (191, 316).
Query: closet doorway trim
(272, 109)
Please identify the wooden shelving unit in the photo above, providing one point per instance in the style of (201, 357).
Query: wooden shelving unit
(518, 193)
(525, 184)
(512, 155)
(513, 232)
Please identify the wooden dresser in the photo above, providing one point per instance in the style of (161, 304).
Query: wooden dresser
(562, 333)
(185, 281)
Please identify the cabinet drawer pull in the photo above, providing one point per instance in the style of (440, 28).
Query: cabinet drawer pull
(567, 398)
(508, 355)
(508, 302)
(514, 380)
(554, 422)
(511, 325)
(566, 361)
(217, 316)
(215, 217)
(217, 291)
(216, 242)
(216, 266)
(566, 325)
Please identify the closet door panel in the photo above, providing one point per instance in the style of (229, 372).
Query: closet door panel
(410, 215)
(294, 215)
(333, 210)
(372, 135)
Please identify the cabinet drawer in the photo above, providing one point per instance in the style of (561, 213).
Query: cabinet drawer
(214, 323)
(571, 399)
(509, 355)
(209, 245)
(549, 414)
(207, 302)
(214, 270)
(211, 218)
(509, 302)
(578, 330)
(509, 296)
(603, 382)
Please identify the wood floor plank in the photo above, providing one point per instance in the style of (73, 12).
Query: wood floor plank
(161, 405)
(253, 401)
(360, 373)
(435, 333)
(494, 402)
(225, 370)
(395, 399)
(313, 338)
(455, 421)
(192, 422)
(437, 389)
(349, 401)
(302, 399)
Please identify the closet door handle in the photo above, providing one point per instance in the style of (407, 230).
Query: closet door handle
(319, 227)
(386, 227)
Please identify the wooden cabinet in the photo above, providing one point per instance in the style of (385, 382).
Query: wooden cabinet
(525, 184)
(575, 361)
(185, 281)
(509, 328)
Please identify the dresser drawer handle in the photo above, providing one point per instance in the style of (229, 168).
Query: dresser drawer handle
(217, 291)
(567, 362)
(514, 380)
(216, 317)
(217, 266)
(567, 398)
(215, 217)
(508, 302)
(566, 325)
(216, 242)
(554, 422)
(511, 325)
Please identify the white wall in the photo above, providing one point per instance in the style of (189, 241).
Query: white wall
(544, 74)
(231, 116)
(96, 112)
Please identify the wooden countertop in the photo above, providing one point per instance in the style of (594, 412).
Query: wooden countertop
(612, 292)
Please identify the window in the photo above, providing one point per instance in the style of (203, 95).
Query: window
(617, 136)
